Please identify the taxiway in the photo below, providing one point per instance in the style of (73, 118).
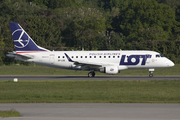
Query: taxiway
(106, 77)
(93, 111)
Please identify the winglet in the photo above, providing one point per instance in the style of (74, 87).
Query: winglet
(69, 59)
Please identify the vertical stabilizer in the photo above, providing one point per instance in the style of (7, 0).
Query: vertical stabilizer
(22, 41)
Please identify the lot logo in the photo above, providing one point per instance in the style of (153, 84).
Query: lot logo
(134, 59)
(21, 39)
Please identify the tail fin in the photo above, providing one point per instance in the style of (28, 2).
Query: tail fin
(22, 41)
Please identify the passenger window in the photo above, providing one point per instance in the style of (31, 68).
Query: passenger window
(63, 56)
(58, 56)
(104, 56)
(117, 56)
(113, 56)
(109, 56)
(99, 56)
(85, 56)
(76, 56)
(89, 56)
(81, 56)
(72, 56)
(94, 56)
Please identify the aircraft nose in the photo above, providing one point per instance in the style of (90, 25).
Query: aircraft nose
(170, 63)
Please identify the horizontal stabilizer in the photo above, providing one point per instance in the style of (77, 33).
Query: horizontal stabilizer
(14, 55)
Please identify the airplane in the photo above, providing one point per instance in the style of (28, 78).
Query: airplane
(107, 61)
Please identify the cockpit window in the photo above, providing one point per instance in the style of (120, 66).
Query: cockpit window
(158, 56)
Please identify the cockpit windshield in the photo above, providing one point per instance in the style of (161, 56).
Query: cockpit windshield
(159, 55)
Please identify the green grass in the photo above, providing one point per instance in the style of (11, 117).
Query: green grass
(109, 91)
(9, 113)
(42, 70)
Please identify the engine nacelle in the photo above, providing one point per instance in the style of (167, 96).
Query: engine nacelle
(109, 70)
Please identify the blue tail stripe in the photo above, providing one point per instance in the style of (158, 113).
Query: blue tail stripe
(22, 41)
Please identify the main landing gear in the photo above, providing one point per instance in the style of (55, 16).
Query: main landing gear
(91, 74)
(151, 72)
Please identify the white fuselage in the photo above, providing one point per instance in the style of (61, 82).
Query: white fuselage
(95, 60)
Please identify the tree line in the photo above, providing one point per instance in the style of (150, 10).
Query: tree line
(94, 25)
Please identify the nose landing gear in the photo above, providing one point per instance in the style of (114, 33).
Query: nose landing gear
(151, 72)
(91, 74)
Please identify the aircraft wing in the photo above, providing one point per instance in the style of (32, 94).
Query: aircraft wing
(91, 63)
(88, 64)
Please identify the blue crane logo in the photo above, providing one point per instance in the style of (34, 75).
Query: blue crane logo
(21, 39)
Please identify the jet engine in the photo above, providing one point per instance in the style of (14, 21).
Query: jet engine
(109, 70)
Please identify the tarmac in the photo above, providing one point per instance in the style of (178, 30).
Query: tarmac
(93, 111)
(105, 77)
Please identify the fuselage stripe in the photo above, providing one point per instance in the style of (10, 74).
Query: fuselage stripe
(30, 51)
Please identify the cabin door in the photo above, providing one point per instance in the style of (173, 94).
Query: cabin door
(51, 58)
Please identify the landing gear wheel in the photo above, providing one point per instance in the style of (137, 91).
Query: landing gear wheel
(150, 75)
(91, 74)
